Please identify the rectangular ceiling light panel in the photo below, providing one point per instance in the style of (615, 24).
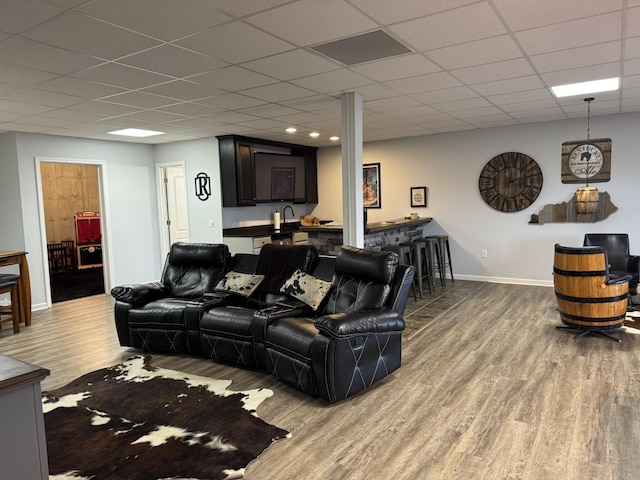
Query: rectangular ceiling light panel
(362, 48)
(585, 88)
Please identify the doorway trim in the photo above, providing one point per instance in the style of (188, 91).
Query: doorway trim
(163, 213)
(105, 216)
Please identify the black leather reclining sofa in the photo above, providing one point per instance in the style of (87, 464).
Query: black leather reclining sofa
(329, 326)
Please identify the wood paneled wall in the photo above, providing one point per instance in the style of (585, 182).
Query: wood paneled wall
(67, 188)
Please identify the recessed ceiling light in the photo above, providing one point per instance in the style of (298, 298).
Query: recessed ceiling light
(583, 88)
(291, 130)
(314, 134)
(334, 138)
(135, 132)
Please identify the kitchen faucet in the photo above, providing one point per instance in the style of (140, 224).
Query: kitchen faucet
(284, 210)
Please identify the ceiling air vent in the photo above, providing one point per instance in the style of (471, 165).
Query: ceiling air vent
(362, 48)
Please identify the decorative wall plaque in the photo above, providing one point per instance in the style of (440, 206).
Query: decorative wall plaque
(575, 154)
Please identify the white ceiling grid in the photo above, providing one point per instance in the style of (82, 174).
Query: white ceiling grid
(197, 68)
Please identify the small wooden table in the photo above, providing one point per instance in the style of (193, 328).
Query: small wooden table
(15, 257)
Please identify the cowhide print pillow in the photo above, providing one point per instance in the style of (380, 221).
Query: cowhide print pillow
(241, 283)
(306, 288)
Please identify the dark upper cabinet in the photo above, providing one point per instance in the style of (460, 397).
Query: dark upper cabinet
(238, 169)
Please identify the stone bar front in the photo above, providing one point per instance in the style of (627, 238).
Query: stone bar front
(328, 238)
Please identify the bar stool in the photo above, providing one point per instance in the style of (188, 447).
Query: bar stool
(444, 260)
(420, 263)
(406, 258)
(9, 284)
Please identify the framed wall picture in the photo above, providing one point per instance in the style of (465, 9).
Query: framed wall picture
(371, 197)
(418, 196)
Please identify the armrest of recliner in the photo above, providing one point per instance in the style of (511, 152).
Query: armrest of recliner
(340, 325)
(140, 293)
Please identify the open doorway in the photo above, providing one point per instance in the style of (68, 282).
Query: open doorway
(71, 204)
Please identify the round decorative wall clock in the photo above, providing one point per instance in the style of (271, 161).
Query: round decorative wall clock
(510, 182)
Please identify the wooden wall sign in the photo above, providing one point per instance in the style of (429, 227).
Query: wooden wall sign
(574, 160)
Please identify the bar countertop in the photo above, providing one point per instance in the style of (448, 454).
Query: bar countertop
(372, 227)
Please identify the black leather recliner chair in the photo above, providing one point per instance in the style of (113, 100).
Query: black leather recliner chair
(355, 340)
(152, 316)
(621, 262)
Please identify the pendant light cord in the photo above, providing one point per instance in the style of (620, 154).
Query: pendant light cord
(588, 100)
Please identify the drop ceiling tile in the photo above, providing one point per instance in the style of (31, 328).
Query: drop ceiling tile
(313, 103)
(410, 65)
(44, 122)
(6, 88)
(277, 92)
(424, 83)
(235, 42)
(387, 12)
(633, 22)
(571, 34)
(577, 57)
(40, 97)
(308, 22)
(19, 15)
(458, 105)
(461, 25)
(537, 13)
(79, 87)
(9, 117)
(73, 116)
(593, 72)
(528, 106)
(171, 60)
(471, 113)
(268, 111)
(517, 97)
(103, 108)
(122, 76)
(391, 103)
(164, 19)
(78, 33)
(232, 117)
(22, 76)
(631, 81)
(153, 116)
(632, 67)
(263, 123)
(510, 85)
(487, 50)
(233, 79)
(230, 101)
(189, 109)
(518, 67)
(245, 7)
(297, 118)
(140, 100)
(544, 115)
(20, 127)
(445, 95)
(183, 90)
(376, 91)
(294, 64)
(632, 48)
(22, 108)
(30, 54)
(336, 81)
(409, 113)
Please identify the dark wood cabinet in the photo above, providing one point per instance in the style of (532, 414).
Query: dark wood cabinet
(238, 169)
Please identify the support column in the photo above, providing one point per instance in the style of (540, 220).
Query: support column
(352, 213)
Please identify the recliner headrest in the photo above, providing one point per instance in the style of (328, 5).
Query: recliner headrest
(367, 264)
(200, 254)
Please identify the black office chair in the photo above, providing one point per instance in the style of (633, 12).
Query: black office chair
(621, 262)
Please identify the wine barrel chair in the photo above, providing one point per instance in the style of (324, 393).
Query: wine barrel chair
(589, 298)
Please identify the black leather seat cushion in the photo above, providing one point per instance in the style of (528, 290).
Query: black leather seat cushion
(159, 314)
(229, 321)
(293, 336)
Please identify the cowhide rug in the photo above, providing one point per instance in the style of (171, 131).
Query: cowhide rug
(134, 421)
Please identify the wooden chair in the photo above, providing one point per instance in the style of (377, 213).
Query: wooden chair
(9, 284)
(69, 254)
(56, 252)
(589, 298)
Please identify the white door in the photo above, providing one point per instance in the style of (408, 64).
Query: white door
(177, 220)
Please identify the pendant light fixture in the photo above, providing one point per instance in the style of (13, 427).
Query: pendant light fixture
(587, 198)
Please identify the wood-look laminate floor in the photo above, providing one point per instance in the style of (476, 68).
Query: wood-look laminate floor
(489, 389)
